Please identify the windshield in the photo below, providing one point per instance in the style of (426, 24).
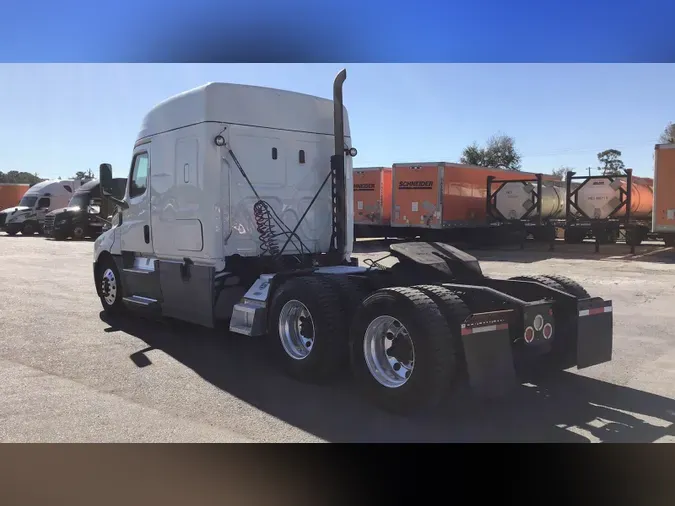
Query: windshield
(80, 200)
(28, 201)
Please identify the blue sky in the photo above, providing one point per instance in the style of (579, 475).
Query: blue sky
(61, 118)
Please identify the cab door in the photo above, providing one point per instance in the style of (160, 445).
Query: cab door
(135, 227)
(42, 208)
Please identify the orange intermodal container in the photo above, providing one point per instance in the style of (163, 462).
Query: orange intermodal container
(663, 216)
(11, 193)
(444, 195)
(372, 196)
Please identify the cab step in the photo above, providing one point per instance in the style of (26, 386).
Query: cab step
(137, 302)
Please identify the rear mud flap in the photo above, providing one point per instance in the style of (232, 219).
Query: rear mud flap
(488, 354)
(594, 332)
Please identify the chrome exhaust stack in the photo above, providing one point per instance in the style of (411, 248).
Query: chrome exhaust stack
(337, 164)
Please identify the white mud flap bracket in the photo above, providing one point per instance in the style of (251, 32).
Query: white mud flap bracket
(249, 317)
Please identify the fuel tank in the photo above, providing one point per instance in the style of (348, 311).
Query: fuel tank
(599, 197)
(514, 199)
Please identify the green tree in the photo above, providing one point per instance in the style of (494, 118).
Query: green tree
(612, 164)
(14, 176)
(668, 135)
(499, 152)
(562, 171)
(80, 174)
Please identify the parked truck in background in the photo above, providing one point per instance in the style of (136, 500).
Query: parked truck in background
(86, 213)
(239, 207)
(29, 215)
(663, 213)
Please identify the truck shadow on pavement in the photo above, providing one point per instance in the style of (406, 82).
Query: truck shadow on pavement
(563, 407)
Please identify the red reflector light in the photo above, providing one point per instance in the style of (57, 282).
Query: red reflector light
(548, 331)
(529, 335)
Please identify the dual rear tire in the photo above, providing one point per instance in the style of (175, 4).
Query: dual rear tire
(403, 344)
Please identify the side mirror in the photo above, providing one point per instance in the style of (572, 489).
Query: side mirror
(105, 178)
(106, 181)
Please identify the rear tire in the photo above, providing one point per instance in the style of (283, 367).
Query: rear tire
(573, 236)
(635, 236)
(544, 280)
(351, 292)
(402, 319)
(455, 311)
(308, 329)
(570, 286)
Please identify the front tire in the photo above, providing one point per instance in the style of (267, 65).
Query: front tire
(78, 233)
(29, 228)
(308, 329)
(401, 350)
(109, 287)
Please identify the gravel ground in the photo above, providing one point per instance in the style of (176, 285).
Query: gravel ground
(68, 375)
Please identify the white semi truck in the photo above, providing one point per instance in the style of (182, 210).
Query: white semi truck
(238, 207)
(28, 216)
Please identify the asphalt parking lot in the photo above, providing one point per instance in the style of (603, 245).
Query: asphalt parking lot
(67, 375)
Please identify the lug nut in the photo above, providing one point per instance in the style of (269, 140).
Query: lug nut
(389, 335)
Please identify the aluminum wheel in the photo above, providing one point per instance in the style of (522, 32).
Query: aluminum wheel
(389, 351)
(109, 287)
(78, 233)
(296, 329)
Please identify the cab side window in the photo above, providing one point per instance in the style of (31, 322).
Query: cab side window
(139, 175)
(43, 203)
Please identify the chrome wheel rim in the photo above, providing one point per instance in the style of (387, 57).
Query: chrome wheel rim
(389, 351)
(109, 287)
(296, 330)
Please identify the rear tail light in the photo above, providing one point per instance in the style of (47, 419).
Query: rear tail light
(529, 335)
(548, 331)
(538, 322)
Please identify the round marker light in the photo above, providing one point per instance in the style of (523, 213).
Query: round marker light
(220, 140)
(548, 331)
(538, 322)
(529, 335)
(352, 152)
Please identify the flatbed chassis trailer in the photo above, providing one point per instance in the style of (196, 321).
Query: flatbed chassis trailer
(578, 224)
(530, 221)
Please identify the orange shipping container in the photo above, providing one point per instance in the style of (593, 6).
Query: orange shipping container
(663, 215)
(442, 195)
(11, 193)
(372, 196)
